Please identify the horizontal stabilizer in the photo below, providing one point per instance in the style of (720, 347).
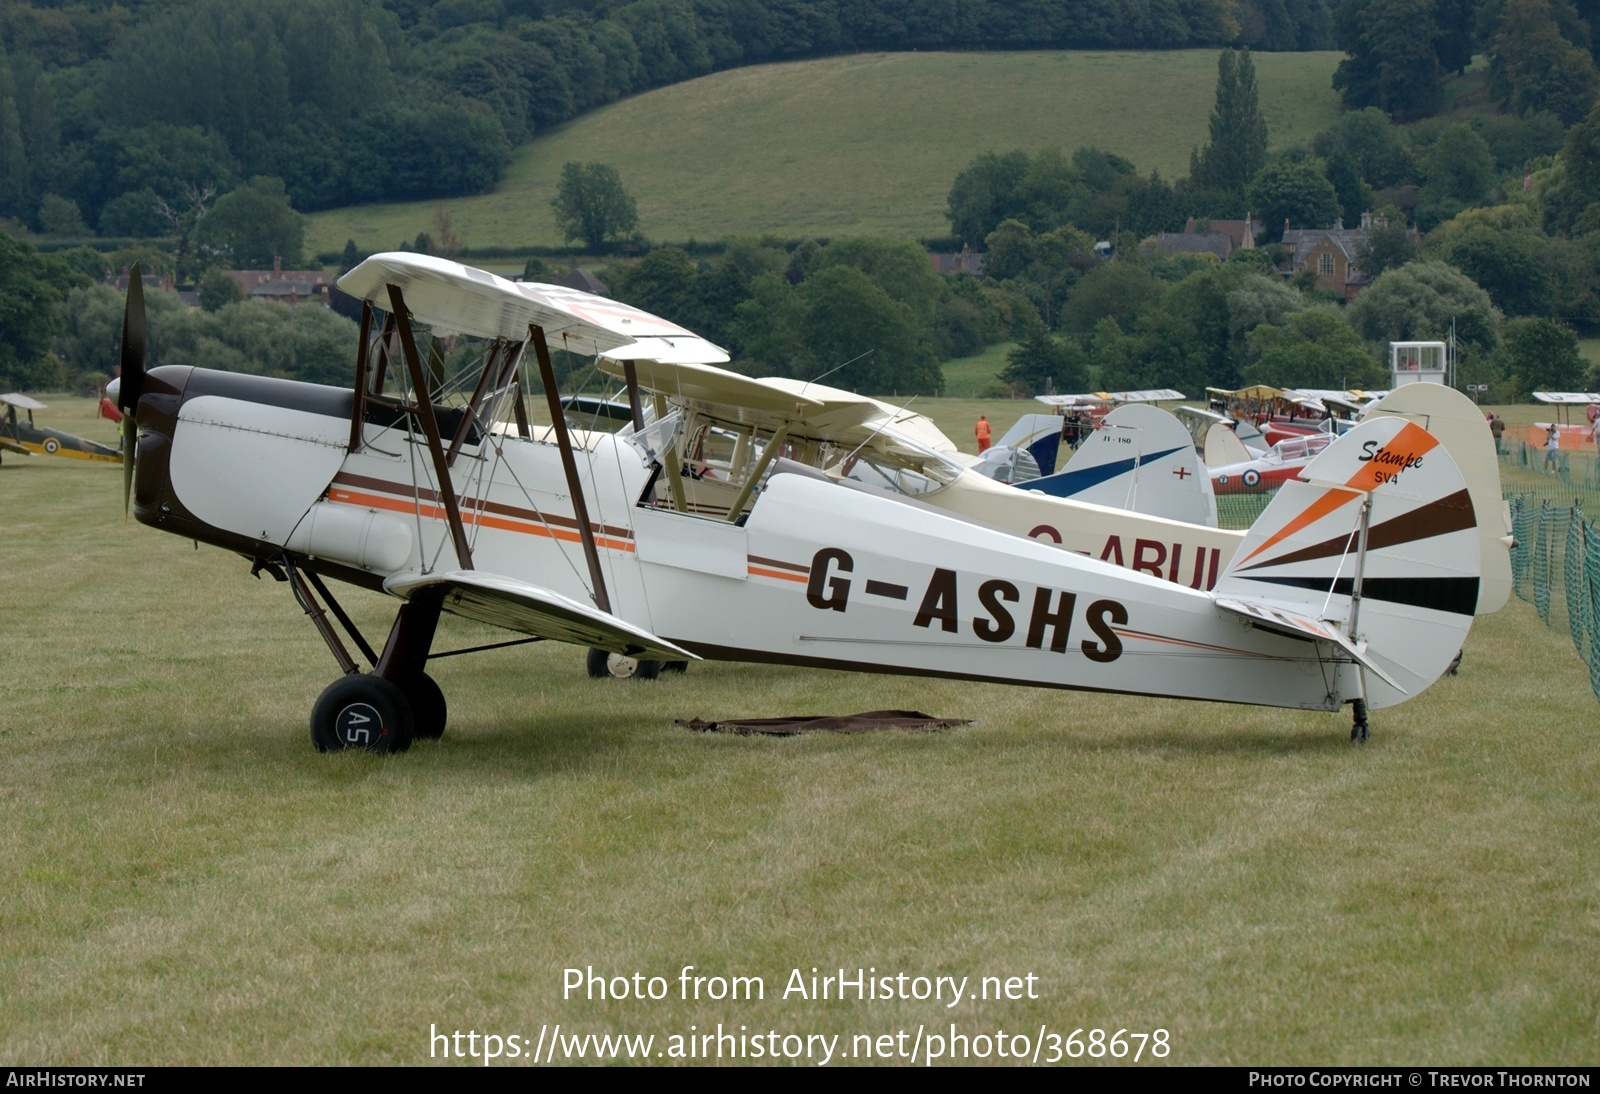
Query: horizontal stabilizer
(528, 609)
(1280, 621)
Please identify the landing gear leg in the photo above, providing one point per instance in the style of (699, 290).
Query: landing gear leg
(404, 662)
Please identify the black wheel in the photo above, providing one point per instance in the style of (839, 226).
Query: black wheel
(619, 666)
(1358, 733)
(428, 708)
(674, 666)
(361, 711)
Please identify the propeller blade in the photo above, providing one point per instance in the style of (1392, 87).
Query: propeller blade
(135, 350)
(135, 343)
(130, 436)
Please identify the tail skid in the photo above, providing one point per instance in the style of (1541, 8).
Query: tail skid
(1376, 554)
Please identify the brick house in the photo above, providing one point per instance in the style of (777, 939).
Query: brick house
(1331, 253)
(284, 286)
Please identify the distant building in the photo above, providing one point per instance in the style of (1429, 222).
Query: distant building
(284, 286)
(968, 261)
(584, 281)
(1331, 253)
(1216, 237)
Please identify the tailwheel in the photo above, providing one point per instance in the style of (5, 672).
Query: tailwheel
(428, 708)
(362, 711)
(603, 663)
(1358, 731)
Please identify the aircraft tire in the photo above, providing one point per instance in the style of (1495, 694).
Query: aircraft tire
(429, 711)
(674, 666)
(345, 713)
(603, 664)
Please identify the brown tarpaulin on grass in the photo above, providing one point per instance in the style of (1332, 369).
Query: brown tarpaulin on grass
(850, 723)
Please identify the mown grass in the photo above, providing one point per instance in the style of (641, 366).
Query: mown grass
(864, 144)
(184, 881)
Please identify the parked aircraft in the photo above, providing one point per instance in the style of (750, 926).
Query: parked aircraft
(1355, 588)
(27, 439)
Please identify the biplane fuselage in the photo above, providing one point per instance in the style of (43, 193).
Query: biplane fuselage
(24, 437)
(821, 572)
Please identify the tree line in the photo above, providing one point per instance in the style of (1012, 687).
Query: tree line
(112, 116)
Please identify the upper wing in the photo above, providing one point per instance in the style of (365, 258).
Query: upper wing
(451, 297)
(528, 609)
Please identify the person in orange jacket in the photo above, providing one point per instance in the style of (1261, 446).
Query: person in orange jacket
(982, 433)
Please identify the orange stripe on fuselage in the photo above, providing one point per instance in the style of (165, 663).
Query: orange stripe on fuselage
(469, 518)
(761, 571)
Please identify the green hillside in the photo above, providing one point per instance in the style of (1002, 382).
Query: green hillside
(860, 144)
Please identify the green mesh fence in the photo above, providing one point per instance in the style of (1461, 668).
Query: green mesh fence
(1579, 614)
(1591, 573)
(1239, 511)
(1556, 545)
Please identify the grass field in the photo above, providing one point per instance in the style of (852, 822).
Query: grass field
(184, 881)
(868, 143)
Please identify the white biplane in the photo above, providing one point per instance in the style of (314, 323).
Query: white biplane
(1356, 587)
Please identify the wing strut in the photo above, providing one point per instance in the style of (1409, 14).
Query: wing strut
(358, 409)
(430, 426)
(580, 508)
(630, 376)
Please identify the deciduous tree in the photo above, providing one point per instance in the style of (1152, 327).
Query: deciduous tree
(592, 205)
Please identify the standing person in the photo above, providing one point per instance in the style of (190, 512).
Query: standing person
(981, 431)
(1497, 426)
(1552, 446)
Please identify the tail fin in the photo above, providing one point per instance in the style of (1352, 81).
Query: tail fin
(1141, 459)
(1223, 447)
(1460, 426)
(1251, 437)
(1404, 604)
(1039, 435)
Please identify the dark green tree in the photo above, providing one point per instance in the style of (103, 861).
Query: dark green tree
(1542, 355)
(1510, 265)
(1571, 199)
(1420, 301)
(1385, 248)
(32, 287)
(1315, 348)
(1533, 67)
(1457, 171)
(1042, 360)
(1378, 148)
(986, 193)
(217, 290)
(1393, 61)
(592, 205)
(1237, 149)
(1295, 192)
(253, 226)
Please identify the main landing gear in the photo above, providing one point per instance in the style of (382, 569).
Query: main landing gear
(397, 702)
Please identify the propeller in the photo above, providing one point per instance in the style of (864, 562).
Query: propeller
(135, 350)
